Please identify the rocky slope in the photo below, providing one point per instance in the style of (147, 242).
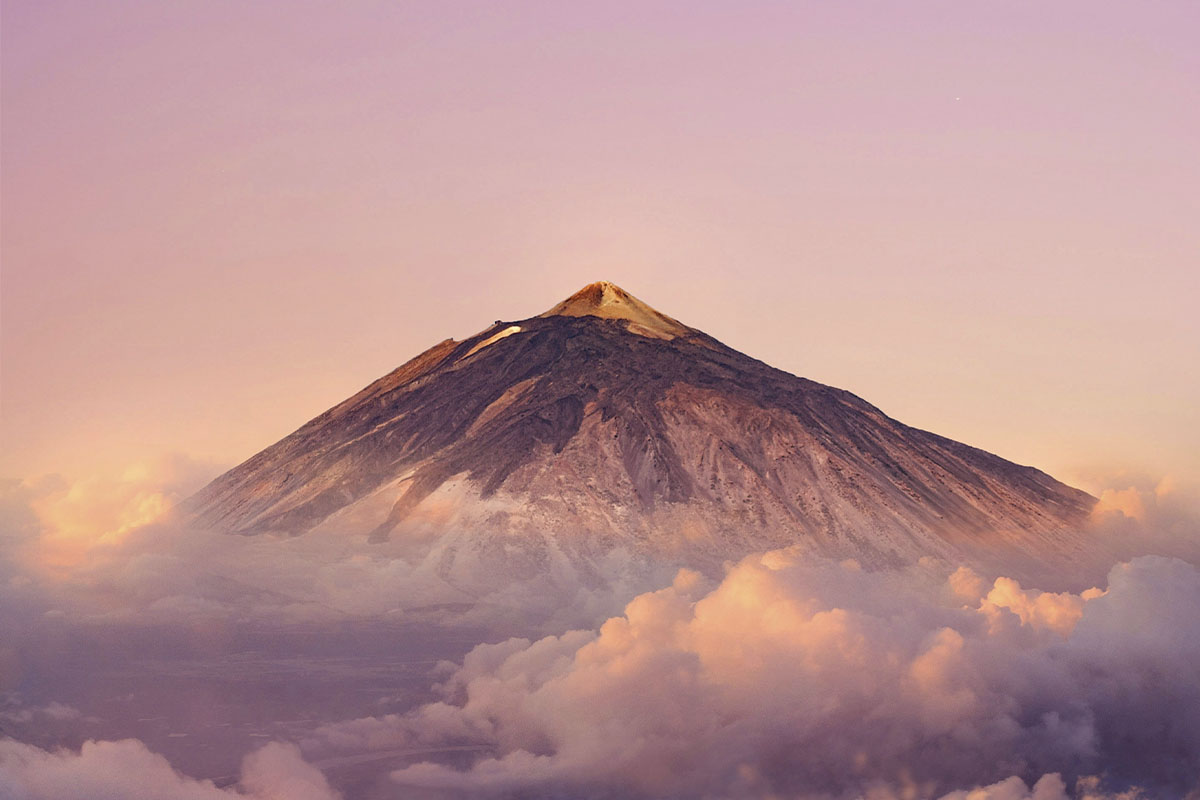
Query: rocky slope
(604, 426)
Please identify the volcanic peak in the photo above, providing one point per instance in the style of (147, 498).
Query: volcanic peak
(609, 301)
(562, 439)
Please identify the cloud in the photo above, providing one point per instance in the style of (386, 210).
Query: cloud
(109, 549)
(127, 769)
(1056, 611)
(793, 678)
(1142, 514)
(1048, 787)
(277, 772)
(61, 521)
(786, 677)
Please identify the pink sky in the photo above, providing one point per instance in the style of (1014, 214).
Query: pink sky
(220, 218)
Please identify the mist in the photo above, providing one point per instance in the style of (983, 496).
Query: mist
(140, 653)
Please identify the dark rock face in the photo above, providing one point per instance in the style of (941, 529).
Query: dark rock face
(605, 424)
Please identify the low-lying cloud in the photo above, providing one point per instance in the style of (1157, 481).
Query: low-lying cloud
(786, 677)
(797, 679)
(107, 550)
(126, 769)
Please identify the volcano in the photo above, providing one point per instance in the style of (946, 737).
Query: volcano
(606, 426)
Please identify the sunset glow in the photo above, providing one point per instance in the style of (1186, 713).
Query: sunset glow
(612, 401)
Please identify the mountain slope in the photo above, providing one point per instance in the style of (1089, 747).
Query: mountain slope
(604, 425)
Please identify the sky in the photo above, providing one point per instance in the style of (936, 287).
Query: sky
(221, 218)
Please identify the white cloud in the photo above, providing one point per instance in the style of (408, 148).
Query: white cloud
(126, 769)
(788, 677)
(1048, 787)
(818, 680)
(64, 544)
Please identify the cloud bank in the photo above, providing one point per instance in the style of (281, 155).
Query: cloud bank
(127, 769)
(797, 679)
(107, 550)
(787, 677)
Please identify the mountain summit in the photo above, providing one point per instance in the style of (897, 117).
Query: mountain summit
(609, 301)
(605, 426)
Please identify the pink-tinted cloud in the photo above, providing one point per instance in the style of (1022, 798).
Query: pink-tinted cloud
(794, 678)
(126, 769)
(786, 676)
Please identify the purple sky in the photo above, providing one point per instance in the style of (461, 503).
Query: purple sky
(220, 218)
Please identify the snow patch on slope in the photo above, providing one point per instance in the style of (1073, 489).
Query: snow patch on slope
(509, 331)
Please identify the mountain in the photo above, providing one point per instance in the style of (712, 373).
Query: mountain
(604, 426)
